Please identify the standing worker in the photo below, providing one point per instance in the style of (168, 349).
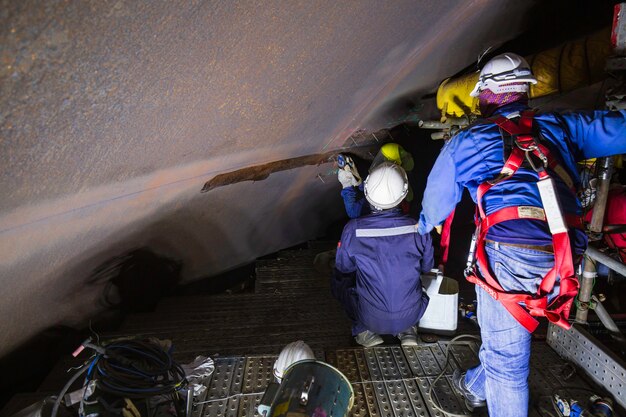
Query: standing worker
(379, 263)
(352, 189)
(519, 168)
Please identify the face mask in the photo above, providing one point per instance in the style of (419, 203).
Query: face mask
(488, 101)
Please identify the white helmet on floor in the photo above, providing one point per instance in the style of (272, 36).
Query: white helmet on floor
(502, 70)
(292, 353)
(386, 186)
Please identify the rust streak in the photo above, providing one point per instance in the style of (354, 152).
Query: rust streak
(263, 171)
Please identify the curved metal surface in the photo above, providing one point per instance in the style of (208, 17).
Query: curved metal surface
(114, 113)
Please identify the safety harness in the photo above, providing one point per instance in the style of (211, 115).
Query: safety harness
(524, 307)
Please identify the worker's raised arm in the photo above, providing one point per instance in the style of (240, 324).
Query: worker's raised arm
(442, 193)
(353, 200)
(595, 134)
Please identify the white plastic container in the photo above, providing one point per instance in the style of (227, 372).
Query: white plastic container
(442, 313)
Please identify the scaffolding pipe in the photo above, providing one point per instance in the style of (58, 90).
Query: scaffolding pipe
(602, 194)
(605, 317)
(433, 124)
(604, 259)
(439, 135)
(597, 220)
(609, 324)
(584, 294)
(614, 228)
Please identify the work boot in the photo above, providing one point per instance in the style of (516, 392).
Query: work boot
(471, 401)
(408, 337)
(368, 339)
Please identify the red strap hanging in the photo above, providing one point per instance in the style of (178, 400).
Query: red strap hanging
(445, 237)
(534, 305)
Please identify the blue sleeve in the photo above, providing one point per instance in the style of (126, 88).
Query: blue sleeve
(428, 253)
(344, 263)
(354, 201)
(595, 134)
(443, 191)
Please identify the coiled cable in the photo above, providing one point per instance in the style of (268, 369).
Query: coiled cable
(137, 369)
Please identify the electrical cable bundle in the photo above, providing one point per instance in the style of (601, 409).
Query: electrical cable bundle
(136, 369)
(127, 369)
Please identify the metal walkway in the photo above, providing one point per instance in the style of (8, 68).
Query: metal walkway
(244, 333)
(388, 381)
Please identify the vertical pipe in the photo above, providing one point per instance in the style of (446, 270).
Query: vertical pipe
(597, 220)
(584, 294)
(602, 193)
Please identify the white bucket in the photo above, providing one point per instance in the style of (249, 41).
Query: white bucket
(442, 313)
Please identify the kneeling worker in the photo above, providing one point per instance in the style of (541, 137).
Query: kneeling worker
(379, 263)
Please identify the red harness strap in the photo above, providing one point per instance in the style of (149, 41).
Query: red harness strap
(537, 304)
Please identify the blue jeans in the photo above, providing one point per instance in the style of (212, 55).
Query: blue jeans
(502, 375)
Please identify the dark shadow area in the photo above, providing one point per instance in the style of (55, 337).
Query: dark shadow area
(137, 280)
(460, 238)
(240, 279)
(552, 23)
(133, 282)
(24, 369)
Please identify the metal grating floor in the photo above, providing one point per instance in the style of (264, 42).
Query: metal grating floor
(389, 381)
(244, 333)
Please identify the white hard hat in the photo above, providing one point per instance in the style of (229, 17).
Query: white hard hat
(502, 70)
(386, 186)
(292, 353)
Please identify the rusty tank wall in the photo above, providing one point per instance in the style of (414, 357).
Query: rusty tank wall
(114, 113)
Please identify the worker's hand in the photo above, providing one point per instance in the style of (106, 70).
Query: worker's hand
(438, 229)
(346, 178)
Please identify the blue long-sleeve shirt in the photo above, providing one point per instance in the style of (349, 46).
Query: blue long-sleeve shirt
(388, 258)
(475, 155)
(355, 202)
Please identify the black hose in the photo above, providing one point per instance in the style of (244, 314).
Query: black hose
(138, 369)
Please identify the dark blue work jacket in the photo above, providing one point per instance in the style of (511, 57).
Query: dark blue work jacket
(388, 257)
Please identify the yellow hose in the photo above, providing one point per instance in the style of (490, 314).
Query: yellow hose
(565, 68)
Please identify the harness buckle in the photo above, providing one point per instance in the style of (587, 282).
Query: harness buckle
(531, 161)
(529, 144)
(526, 142)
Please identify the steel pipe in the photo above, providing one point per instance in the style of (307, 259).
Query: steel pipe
(614, 228)
(614, 264)
(433, 124)
(584, 294)
(605, 317)
(602, 194)
(439, 135)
